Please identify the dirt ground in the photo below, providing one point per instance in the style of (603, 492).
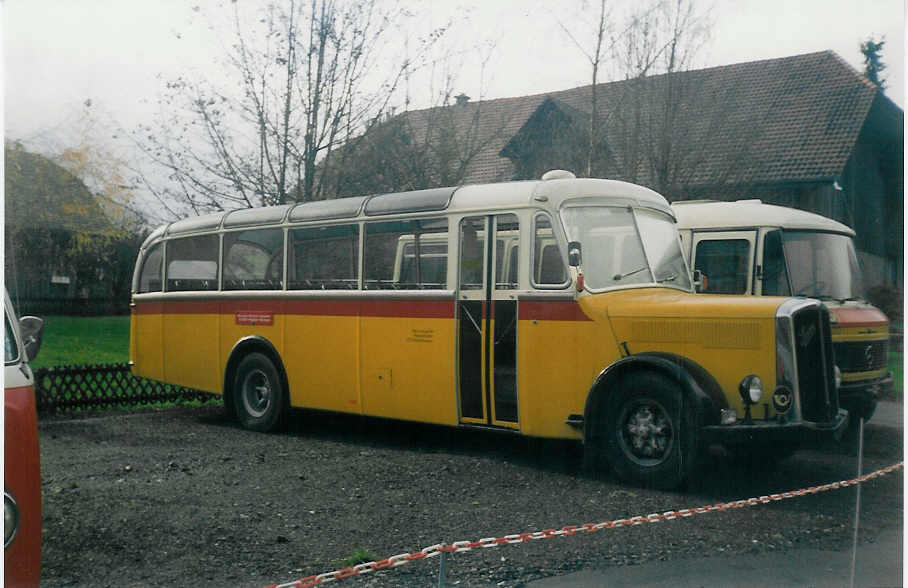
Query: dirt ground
(183, 496)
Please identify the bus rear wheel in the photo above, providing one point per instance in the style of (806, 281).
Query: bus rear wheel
(259, 398)
(644, 432)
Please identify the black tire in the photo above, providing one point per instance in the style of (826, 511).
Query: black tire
(649, 433)
(259, 398)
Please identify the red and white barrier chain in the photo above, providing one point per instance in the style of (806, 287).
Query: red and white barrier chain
(458, 546)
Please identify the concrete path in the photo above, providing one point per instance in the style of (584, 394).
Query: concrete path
(878, 564)
(888, 414)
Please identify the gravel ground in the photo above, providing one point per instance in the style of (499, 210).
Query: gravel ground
(182, 496)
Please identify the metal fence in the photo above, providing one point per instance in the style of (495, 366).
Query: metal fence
(74, 387)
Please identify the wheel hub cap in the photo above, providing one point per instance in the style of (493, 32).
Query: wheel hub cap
(256, 393)
(647, 434)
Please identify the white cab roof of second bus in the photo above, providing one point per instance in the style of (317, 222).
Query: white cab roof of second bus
(549, 192)
(713, 214)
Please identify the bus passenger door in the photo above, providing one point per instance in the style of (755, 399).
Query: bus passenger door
(487, 320)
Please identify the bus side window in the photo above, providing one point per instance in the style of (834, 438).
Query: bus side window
(507, 231)
(324, 258)
(406, 255)
(548, 267)
(254, 260)
(150, 277)
(725, 263)
(192, 263)
(775, 272)
(472, 241)
(512, 265)
(551, 271)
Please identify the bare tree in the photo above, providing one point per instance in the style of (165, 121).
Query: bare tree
(677, 130)
(679, 32)
(416, 150)
(419, 149)
(306, 82)
(638, 129)
(595, 57)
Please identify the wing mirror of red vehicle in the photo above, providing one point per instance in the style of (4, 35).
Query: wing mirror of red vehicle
(700, 281)
(32, 330)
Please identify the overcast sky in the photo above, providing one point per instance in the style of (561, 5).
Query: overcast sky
(118, 53)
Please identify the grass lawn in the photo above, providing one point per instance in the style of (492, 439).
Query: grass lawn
(83, 340)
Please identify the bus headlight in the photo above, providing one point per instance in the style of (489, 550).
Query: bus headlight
(751, 389)
(10, 518)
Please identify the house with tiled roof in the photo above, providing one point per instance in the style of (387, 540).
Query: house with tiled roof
(62, 253)
(807, 131)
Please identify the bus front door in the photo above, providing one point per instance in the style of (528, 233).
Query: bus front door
(726, 258)
(487, 317)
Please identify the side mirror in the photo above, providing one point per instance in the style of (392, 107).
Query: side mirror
(32, 330)
(574, 256)
(700, 281)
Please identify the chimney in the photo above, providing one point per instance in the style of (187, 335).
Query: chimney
(462, 99)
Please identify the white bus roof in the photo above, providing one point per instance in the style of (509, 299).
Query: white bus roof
(546, 193)
(713, 214)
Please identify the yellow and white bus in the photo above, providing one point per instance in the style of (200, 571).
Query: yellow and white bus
(558, 308)
(751, 248)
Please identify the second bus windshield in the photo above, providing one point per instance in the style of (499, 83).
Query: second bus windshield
(822, 265)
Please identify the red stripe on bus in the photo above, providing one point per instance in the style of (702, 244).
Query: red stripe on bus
(192, 307)
(405, 308)
(327, 307)
(408, 308)
(550, 310)
(546, 310)
(148, 308)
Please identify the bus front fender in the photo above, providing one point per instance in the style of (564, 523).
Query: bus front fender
(697, 386)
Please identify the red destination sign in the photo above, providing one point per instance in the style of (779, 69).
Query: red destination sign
(254, 317)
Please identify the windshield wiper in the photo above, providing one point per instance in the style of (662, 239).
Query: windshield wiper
(668, 278)
(618, 277)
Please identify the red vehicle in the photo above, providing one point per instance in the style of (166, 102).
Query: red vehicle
(22, 468)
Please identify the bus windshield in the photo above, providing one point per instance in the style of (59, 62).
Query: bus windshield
(822, 265)
(616, 253)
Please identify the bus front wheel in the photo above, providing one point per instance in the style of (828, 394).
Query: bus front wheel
(259, 398)
(644, 429)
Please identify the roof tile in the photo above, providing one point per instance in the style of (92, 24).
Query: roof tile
(788, 119)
